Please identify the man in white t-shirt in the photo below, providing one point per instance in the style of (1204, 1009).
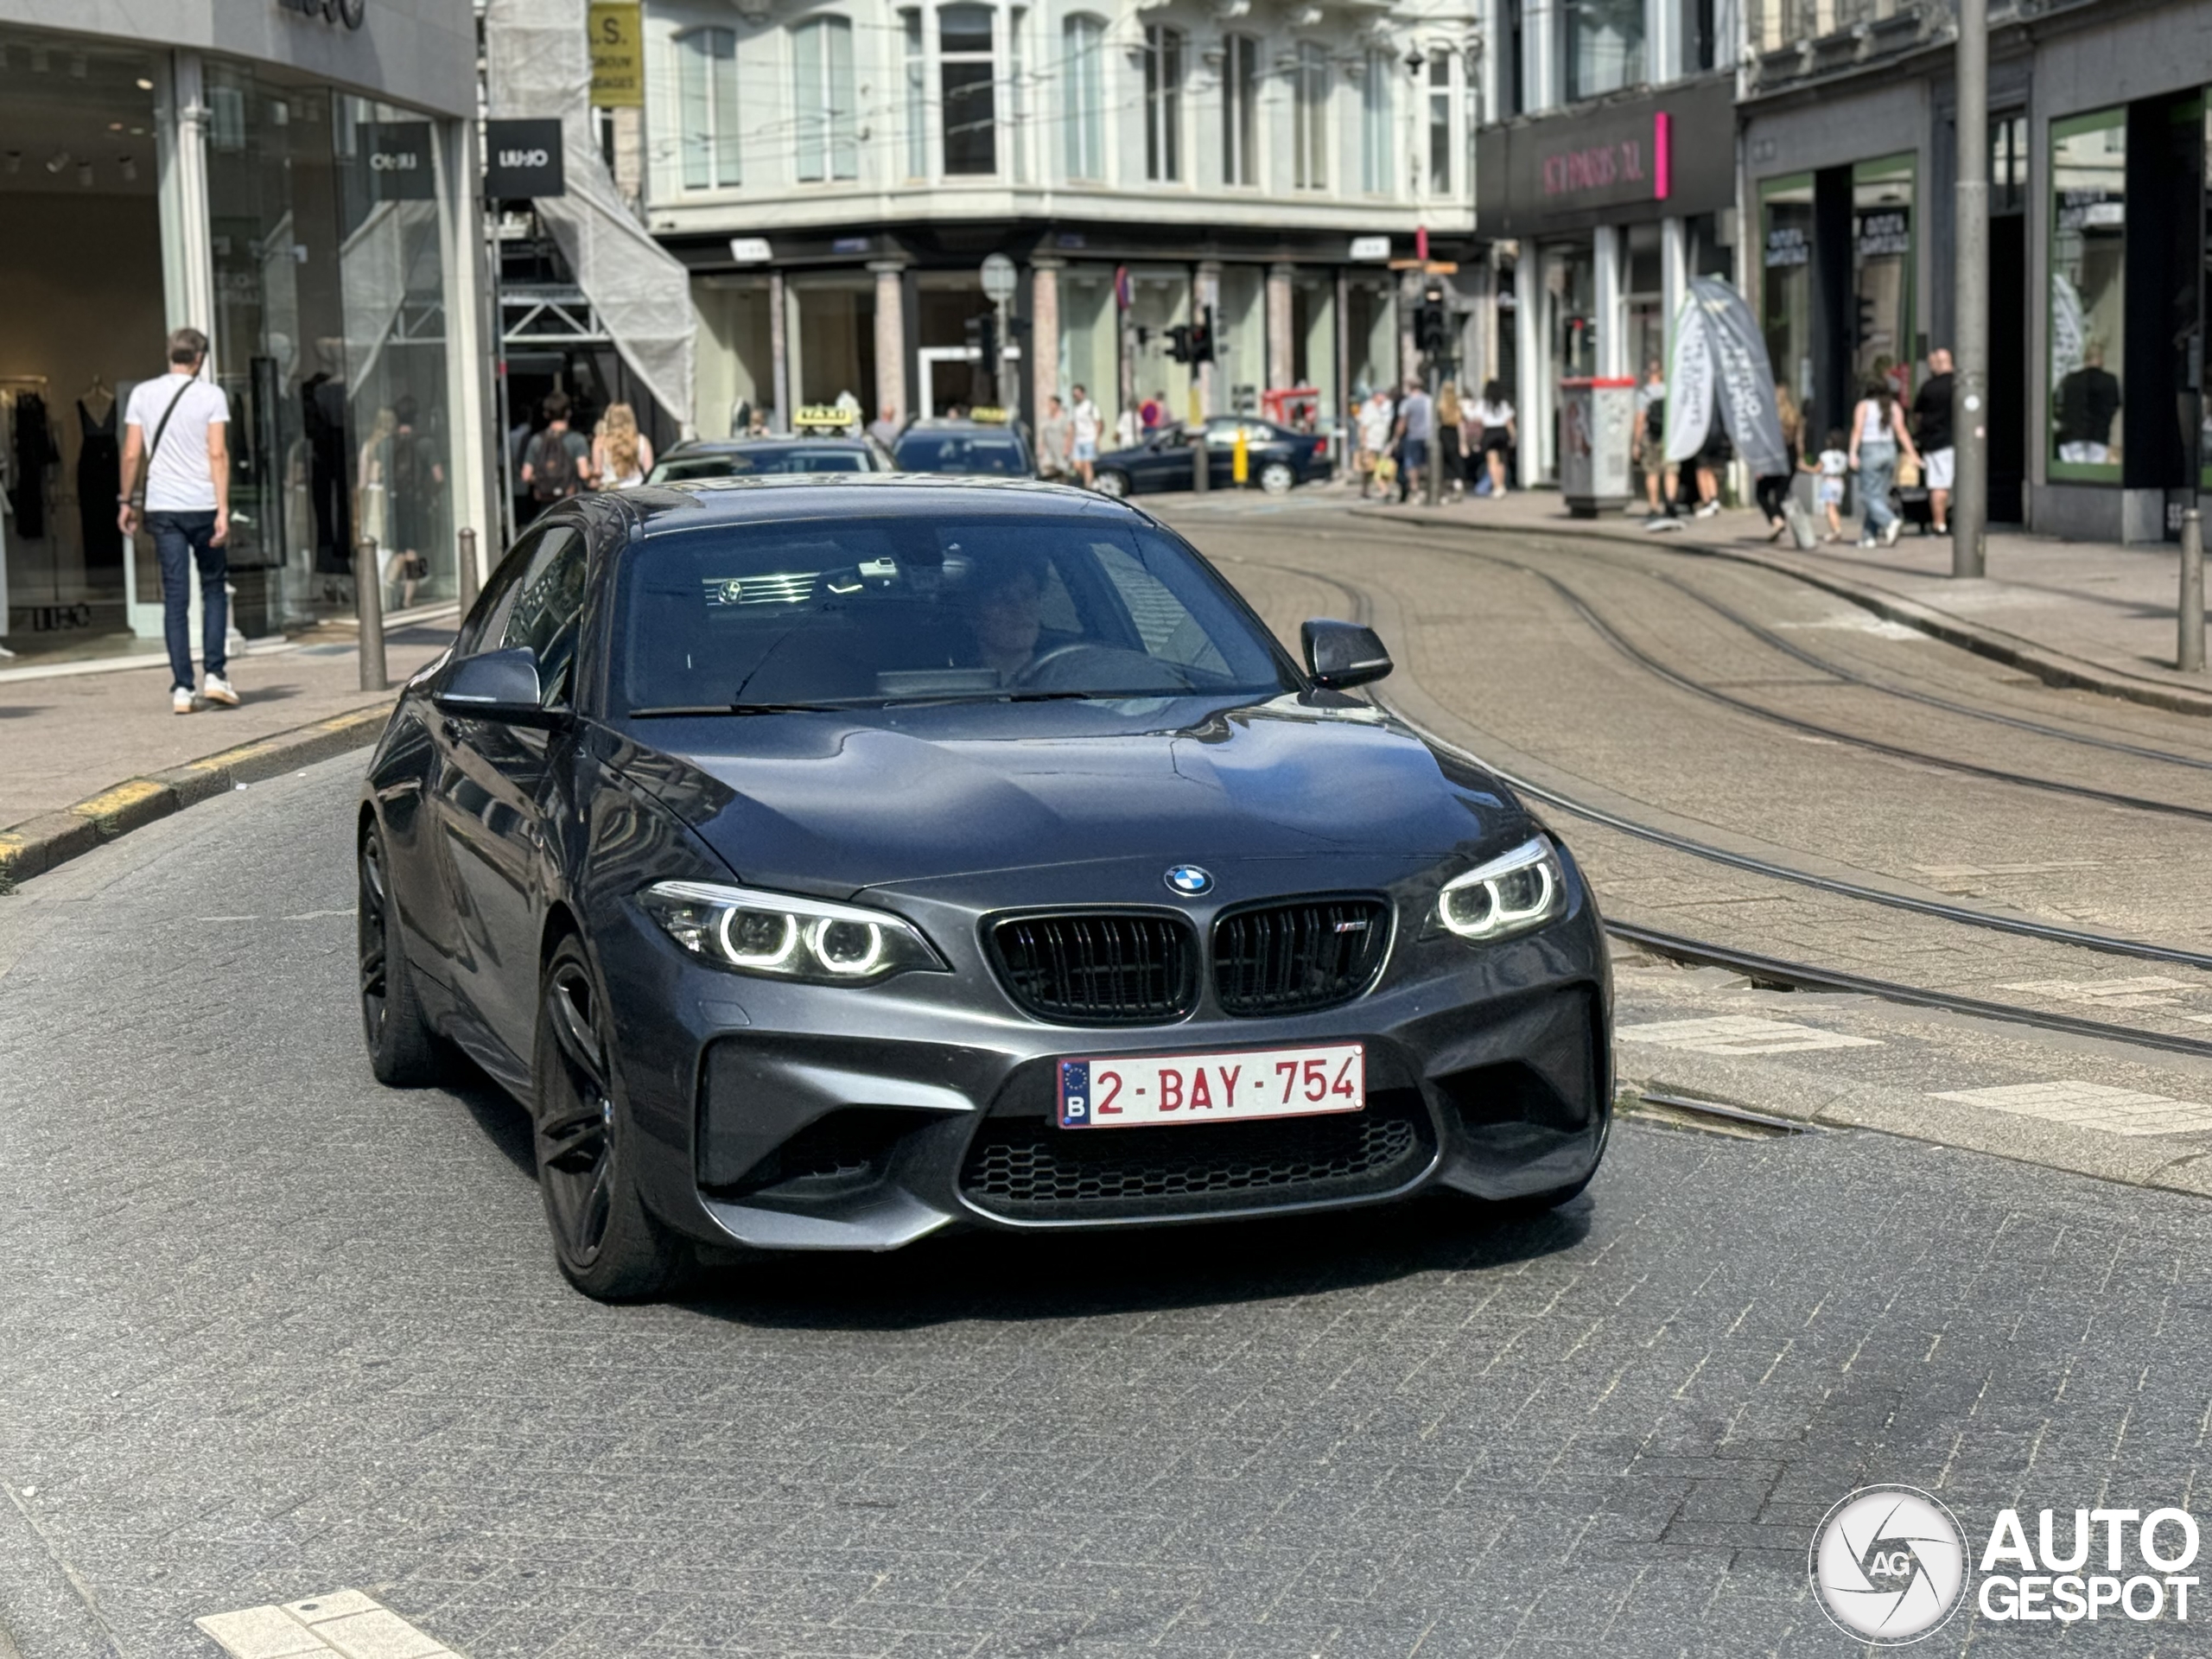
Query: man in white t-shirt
(179, 427)
(1086, 424)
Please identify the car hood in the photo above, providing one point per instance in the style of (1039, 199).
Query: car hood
(828, 803)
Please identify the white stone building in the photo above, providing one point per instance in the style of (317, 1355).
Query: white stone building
(1215, 152)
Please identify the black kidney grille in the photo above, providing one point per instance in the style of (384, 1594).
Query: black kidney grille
(1101, 969)
(1306, 954)
(1029, 1168)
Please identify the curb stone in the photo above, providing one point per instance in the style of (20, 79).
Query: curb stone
(38, 844)
(2047, 663)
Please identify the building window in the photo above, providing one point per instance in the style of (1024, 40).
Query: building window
(1240, 101)
(2088, 269)
(1163, 104)
(1375, 123)
(1516, 89)
(918, 127)
(2008, 164)
(965, 78)
(1017, 89)
(706, 87)
(824, 99)
(1082, 52)
(1439, 121)
(1603, 50)
(1310, 118)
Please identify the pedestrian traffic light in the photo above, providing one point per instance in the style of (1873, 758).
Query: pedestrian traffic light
(1179, 343)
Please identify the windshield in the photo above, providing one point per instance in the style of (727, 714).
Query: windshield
(745, 463)
(998, 454)
(853, 612)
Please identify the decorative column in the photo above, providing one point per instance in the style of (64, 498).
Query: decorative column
(890, 338)
(1612, 304)
(778, 358)
(1044, 332)
(1205, 297)
(1529, 404)
(1279, 324)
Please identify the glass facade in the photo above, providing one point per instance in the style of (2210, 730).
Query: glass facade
(2088, 318)
(1882, 230)
(1786, 284)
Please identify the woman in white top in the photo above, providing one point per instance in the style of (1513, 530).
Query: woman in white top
(1494, 415)
(1876, 434)
(620, 453)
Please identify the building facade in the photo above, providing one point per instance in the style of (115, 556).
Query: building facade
(833, 174)
(1606, 178)
(2097, 150)
(297, 179)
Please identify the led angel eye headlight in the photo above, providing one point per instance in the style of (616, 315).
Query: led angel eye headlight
(1513, 893)
(782, 935)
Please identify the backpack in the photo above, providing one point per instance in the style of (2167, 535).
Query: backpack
(553, 467)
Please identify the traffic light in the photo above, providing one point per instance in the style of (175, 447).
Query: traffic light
(1432, 322)
(1200, 338)
(1866, 327)
(983, 340)
(1179, 343)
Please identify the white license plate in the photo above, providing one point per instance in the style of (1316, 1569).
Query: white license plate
(1121, 1092)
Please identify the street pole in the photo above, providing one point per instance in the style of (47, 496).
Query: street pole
(1432, 489)
(368, 611)
(1970, 288)
(2189, 653)
(466, 573)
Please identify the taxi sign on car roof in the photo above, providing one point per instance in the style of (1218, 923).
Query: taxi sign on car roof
(986, 415)
(824, 415)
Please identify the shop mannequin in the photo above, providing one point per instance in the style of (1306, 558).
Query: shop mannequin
(99, 478)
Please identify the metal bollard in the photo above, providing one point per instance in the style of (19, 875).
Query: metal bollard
(2189, 655)
(1199, 463)
(467, 573)
(368, 608)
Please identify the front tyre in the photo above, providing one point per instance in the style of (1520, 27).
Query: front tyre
(1276, 478)
(608, 1247)
(403, 1051)
(1114, 484)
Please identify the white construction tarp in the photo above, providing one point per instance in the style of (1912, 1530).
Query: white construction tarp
(538, 55)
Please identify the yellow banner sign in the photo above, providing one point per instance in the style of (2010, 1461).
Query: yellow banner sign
(618, 57)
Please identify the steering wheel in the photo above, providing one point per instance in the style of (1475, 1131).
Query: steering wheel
(1034, 673)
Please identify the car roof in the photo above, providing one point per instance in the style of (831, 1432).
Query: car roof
(945, 424)
(696, 502)
(769, 441)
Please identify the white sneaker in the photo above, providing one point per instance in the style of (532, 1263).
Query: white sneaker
(1706, 509)
(1890, 532)
(180, 701)
(217, 689)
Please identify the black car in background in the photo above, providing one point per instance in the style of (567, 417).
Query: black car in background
(966, 448)
(1277, 459)
(768, 456)
(826, 863)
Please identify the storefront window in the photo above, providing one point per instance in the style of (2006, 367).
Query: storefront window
(1882, 254)
(1786, 278)
(2088, 244)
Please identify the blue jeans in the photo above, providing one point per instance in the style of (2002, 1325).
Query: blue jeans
(182, 540)
(1878, 470)
(1413, 465)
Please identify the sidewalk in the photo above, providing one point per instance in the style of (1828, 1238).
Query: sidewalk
(2088, 613)
(68, 731)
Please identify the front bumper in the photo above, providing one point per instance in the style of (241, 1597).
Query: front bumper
(783, 1116)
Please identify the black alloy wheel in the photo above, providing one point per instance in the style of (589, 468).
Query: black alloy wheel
(607, 1246)
(403, 1051)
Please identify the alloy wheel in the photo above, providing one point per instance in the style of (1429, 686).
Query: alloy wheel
(575, 1129)
(373, 928)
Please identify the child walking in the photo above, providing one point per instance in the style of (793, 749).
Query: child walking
(1831, 466)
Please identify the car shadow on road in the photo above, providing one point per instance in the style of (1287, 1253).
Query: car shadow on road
(995, 1276)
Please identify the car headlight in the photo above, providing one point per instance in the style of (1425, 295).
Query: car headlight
(1513, 893)
(779, 936)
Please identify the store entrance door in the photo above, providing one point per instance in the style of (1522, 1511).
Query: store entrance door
(2008, 369)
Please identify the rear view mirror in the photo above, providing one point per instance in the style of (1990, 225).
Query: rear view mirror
(1340, 655)
(500, 685)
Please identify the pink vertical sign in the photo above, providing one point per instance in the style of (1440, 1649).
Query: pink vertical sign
(1662, 154)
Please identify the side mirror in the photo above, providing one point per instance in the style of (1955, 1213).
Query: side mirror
(500, 685)
(1340, 655)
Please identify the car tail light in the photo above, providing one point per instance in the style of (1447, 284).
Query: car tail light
(1320, 447)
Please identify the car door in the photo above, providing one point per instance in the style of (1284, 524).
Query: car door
(1221, 451)
(494, 793)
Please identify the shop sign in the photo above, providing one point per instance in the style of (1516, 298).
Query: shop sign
(393, 158)
(1670, 152)
(352, 13)
(1886, 233)
(751, 250)
(2081, 210)
(618, 76)
(1787, 245)
(1370, 247)
(522, 159)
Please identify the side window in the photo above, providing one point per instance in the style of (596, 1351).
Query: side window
(481, 629)
(547, 607)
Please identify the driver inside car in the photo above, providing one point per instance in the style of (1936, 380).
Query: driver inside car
(1008, 615)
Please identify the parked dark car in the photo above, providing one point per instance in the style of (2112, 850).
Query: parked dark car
(966, 448)
(755, 457)
(829, 863)
(1277, 459)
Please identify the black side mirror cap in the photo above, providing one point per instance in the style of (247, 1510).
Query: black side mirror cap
(1340, 655)
(498, 685)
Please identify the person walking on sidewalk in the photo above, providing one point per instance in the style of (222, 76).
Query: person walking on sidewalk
(176, 468)
(1500, 431)
(1773, 489)
(558, 461)
(1085, 426)
(1416, 425)
(1877, 435)
(1932, 424)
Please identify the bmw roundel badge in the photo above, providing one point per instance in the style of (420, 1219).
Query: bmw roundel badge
(1189, 881)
